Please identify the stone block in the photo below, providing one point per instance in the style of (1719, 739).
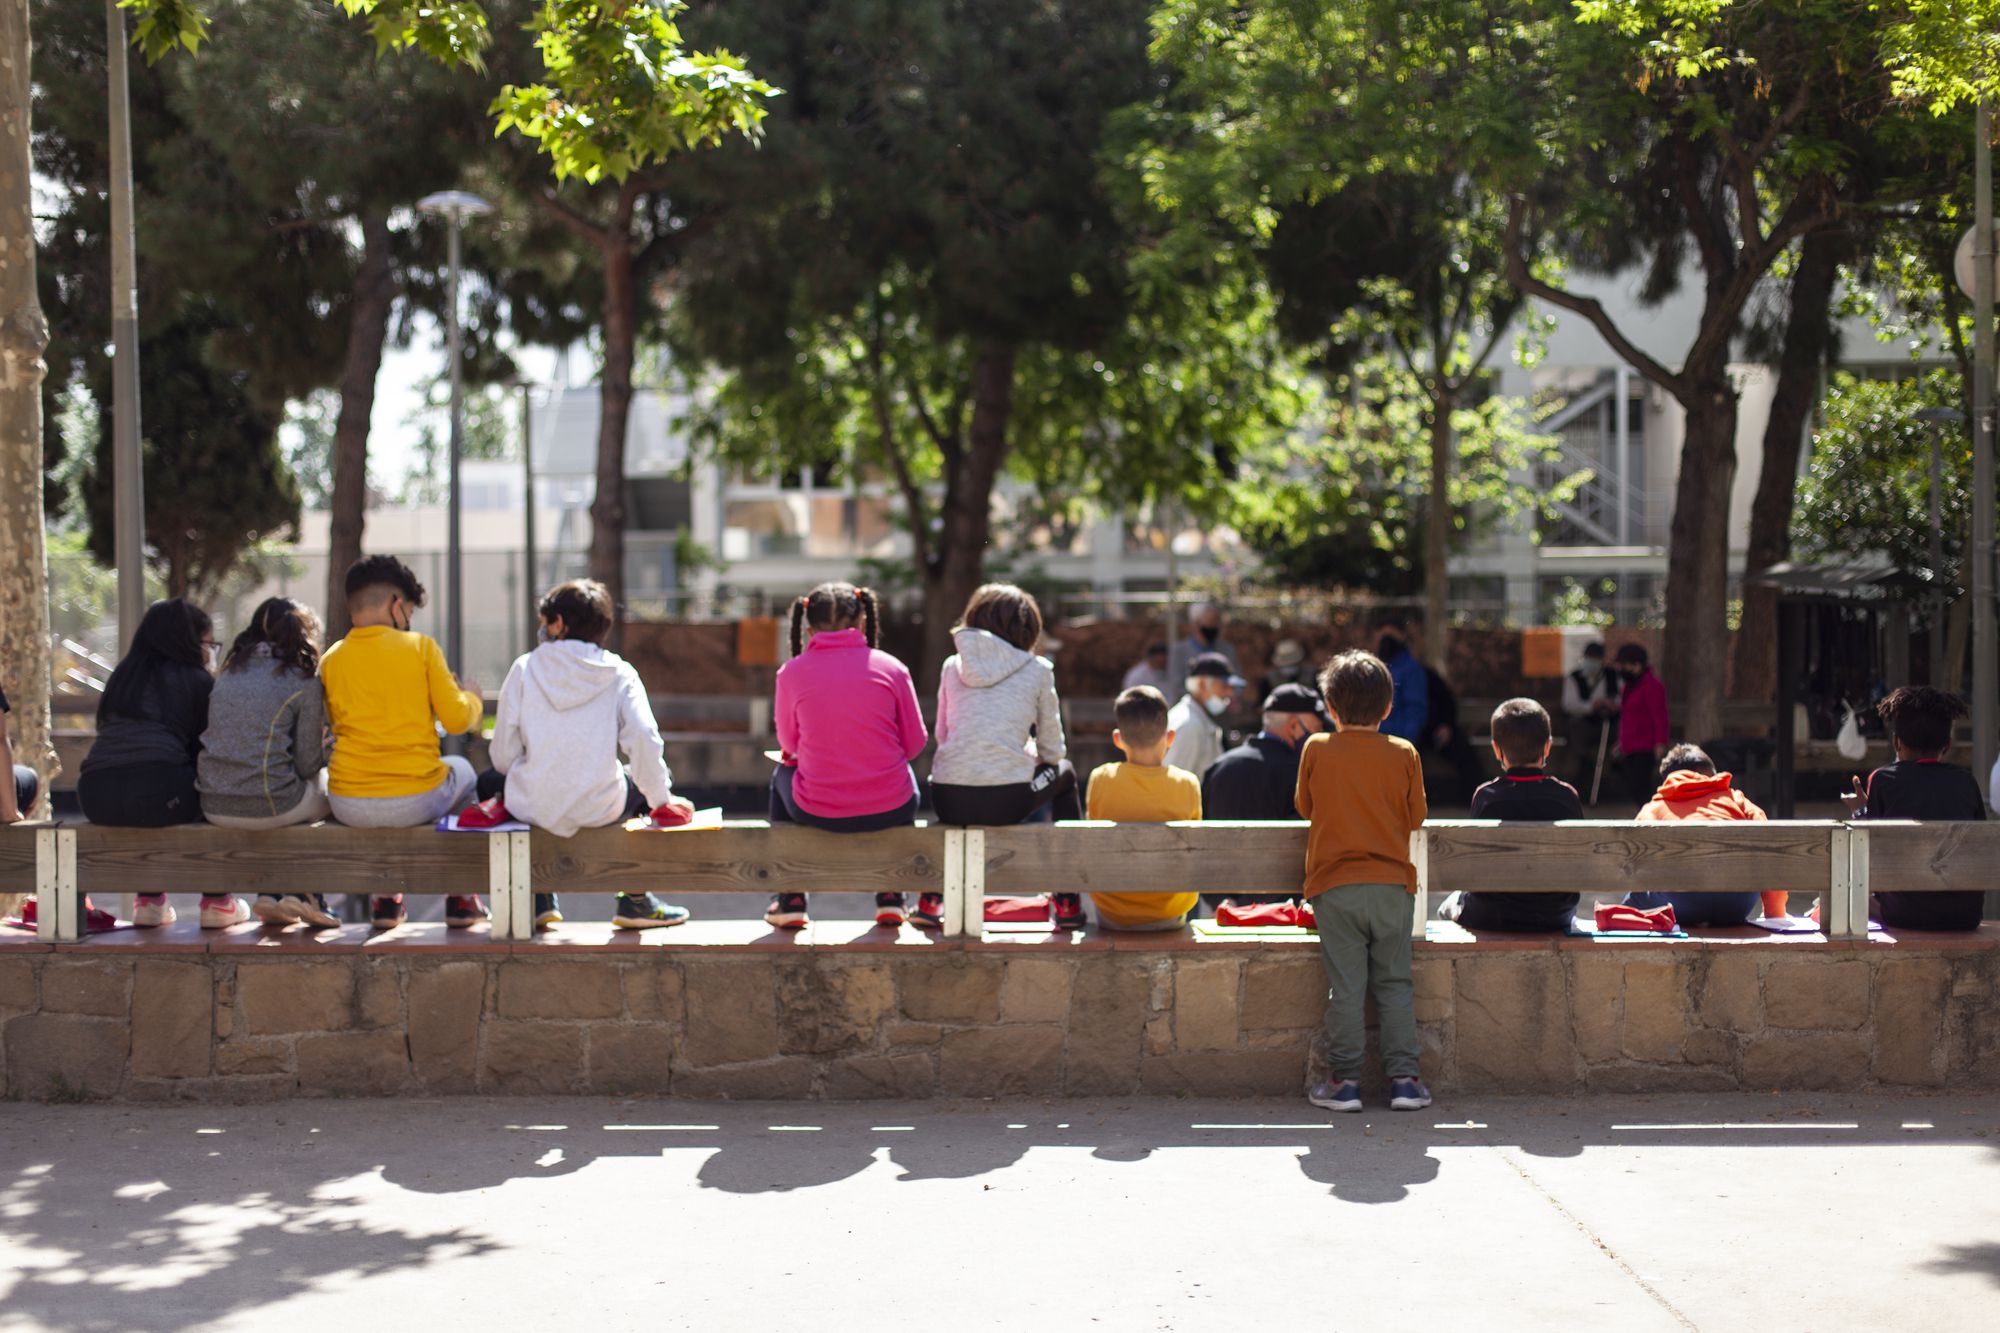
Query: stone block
(732, 1014)
(827, 1006)
(1035, 990)
(17, 985)
(530, 1057)
(1281, 1039)
(769, 1080)
(1161, 998)
(1597, 1002)
(445, 1003)
(653, 992)
(1431, 981)
(1225, 1074)
(1160, 1034)
(912, 1034)
(578, 988)
(1013, 1061)
(254, 1055)
(378, 998)
(1286, 991)
(1729, 993)
(1205, 997)
(171, 1019)
(1814, 994)
(961, 990)
(1108, 1009)
(1785, 1061)
(630, 1057)
(1910, 997)
(86, 986)
(1659, 1078)
(352, 1064)
(901, 1077)
(1708, 1046)
(65, 1057)
(1656, 1002)
(1511, 1034)
(295, 995)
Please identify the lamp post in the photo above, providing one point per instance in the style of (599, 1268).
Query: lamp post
(128, 505)
(455, 206)
(528, 510)
(1938, 418)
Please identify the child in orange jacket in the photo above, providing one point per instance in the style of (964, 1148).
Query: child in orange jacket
(1690, 788)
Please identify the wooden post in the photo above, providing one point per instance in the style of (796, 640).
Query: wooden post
(1420, 857)
(58, 912)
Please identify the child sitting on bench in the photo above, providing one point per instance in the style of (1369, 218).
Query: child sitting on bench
(1690, 788)
(1143, 789)
(566, 712)
(1525, 790)
(1920, 785)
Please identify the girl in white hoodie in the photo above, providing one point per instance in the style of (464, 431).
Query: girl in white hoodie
(567, 710)
(999, 726)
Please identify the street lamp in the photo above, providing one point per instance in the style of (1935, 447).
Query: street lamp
(1939, 417)
(527, 386)
(455, 206)
(128, 503)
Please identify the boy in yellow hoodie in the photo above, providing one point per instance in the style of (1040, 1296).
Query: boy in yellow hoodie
(387, 691)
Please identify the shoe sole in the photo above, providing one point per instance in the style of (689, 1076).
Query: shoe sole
(317, 919)
(926, 922)
(388, 922)
(1345, 1107)
(220, 922)
(1072, 923)
(465, 922)
(890, 918)
(785, 920)
(154, 916)
(645, 922)
(274, 914)
(1408, 1103)
(547, 922)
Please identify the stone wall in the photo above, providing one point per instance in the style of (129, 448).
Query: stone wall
(983, 1020)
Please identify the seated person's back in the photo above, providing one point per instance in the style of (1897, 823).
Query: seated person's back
(1525, 792)
(1920, 785)
(1691, 789)
(1143, 789)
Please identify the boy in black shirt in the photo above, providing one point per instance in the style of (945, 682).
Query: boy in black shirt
(1525, 791)
(1920, 785)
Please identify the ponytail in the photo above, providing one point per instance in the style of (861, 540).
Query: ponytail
(836, 606)
(799, 626)
(871, 618)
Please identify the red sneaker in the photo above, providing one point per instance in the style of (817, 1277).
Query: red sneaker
(387, 912)
(889, 909)
(463, 911)
(95, 919)
(1069, 911)
(929, 913)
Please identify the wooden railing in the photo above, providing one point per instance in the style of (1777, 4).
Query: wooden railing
(1838, 862)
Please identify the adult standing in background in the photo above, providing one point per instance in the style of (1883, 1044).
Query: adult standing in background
(1643, 730)
(1211, 688)
(1590, 712)
(1288, 666)
(1150, 670)
(1409, 707)
(1204, 636)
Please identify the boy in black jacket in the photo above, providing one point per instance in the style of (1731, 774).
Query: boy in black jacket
(1920, 785)
(1525, 791)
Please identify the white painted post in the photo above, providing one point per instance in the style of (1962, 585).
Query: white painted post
(1836, 909)
(1420, 857)
(1857, 880)
(972, 887)
(954, 882)
(508, 883)
(521, 883)
(58, 911)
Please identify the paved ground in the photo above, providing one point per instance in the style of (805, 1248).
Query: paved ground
(1631, 1213)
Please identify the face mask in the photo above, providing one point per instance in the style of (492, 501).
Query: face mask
(1210, 633)
(1592, 668)
(210, 655)
(1216, 705)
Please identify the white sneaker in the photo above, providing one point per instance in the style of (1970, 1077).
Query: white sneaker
(153, 909)
(223, 911)
(310, 909)
(273, 912)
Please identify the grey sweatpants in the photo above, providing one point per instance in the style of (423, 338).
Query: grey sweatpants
(1364, 939)
(425, 807)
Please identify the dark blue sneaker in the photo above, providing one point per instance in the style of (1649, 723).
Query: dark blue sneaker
(1336, 1095)
(1408, 1094)
(637, 911)
(548, 911)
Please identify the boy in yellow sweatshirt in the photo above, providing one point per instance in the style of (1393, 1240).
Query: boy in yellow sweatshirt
(387, 691)
(1144, 789)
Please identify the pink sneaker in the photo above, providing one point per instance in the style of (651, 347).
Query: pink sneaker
(223, 909)
(153, 909)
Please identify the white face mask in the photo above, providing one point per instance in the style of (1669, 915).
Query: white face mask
(1217, 704)
(211, 654)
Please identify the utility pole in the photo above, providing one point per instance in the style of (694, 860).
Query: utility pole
(455, 206)
(528, 511)
(127, 477)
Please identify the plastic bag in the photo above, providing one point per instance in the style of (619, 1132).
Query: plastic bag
(1848, 740)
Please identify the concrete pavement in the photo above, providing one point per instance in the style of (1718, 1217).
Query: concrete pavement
(1792, 1212)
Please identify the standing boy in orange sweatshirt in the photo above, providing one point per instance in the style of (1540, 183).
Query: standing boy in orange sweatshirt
(1364, 795)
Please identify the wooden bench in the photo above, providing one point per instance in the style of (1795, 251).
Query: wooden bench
(1839, 862)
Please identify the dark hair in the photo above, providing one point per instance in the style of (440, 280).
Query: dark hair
(1140, 714)
(170, 635)
(1006, 611)
(1356, 686)
(1594, 649)
(383, 571)
(1631, 652)
(290, 629)
(1394, 620)
(585, 608)
(836, 606)
(1521, 730)
(1685, 758)
(1921, 717)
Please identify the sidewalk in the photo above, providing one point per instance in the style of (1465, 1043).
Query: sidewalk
(1793, 1212)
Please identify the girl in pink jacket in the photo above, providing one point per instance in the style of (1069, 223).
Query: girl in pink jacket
(848, 724)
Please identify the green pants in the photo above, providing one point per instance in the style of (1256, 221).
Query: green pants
(1364, 938)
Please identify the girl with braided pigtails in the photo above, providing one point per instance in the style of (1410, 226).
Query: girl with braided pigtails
(848, 724)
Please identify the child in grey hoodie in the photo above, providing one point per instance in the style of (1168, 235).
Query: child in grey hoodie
(566, 711)
(999, 726)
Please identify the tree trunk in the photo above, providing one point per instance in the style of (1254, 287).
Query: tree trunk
(1437, 532)
(24, 334)
(607, 507)
(1698, 558)
(373, 297)
(1808, 332)
(966, 516)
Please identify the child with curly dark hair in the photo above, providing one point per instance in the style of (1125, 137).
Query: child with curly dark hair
(1920, 785)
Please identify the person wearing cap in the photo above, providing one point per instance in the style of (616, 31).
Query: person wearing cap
(1409, 704)
(1259, 779)
(1204, 636)
(1148, 670)
(1211, 687)
(1288, 667)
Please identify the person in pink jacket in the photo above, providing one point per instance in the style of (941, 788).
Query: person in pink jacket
(849, 725)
